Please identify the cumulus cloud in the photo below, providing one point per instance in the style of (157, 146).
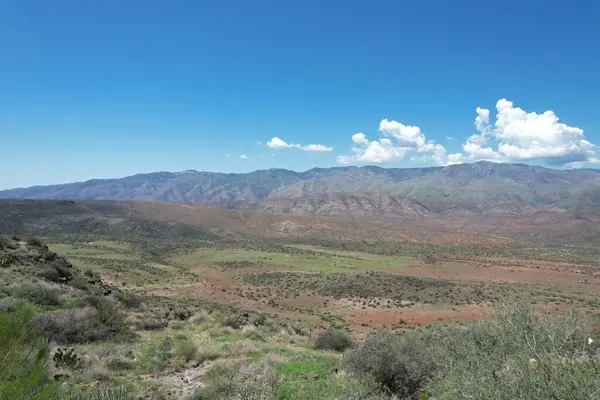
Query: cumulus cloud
(276, 143)
(395, 142)
(244, 157)
(518, 135)
(515, 135)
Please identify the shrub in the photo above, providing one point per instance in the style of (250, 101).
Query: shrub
(186, 350)
(100, 320)
(129, 300)
(149, 324)
(208, 354)
(156, 356)
(40, 293)
(23, 355)
(232, 381)
(108, 311)
(333, 340)
(120, 364)
(233, 321)
(8, 305)
(199, 318)
(515, 354)
(7, 242)
(400, 363)
(518, 354)
(57, 270)
(107, 393)
(78, 282)
(49, 273)
(35, 242)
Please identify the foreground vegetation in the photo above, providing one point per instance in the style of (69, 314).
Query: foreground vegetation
(91, 317)
(517, 354)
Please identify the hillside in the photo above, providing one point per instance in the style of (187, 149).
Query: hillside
(178, 223)
(477, 189)
(152, 219)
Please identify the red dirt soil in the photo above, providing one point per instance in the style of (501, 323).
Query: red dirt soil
(417, 315)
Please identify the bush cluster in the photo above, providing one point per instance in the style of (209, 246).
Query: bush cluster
(92, 319)
(515, 354)
(334, 340)
(39, 293)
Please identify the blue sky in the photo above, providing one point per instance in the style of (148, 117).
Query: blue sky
(110, 88)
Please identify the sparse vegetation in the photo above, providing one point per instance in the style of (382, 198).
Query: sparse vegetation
(235, 313)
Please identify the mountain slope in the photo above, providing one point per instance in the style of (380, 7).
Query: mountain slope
(481, 188)
(162, 220)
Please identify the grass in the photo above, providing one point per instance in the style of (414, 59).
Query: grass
(126, 262)
(314, 261)
(113, 252)
(23, 356)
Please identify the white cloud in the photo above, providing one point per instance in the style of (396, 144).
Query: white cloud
(360, 138)
(244, 157)
(518, 135)
(276, 143)
(227, 155)
(450, 138)
(515, 135)
(396, 141)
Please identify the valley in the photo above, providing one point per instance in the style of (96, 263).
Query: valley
(277, 303)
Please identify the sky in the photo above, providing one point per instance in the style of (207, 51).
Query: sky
(104, 89)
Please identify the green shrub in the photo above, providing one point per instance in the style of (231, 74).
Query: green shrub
(186, 350)
(49, 273)
(518, 354)
(120, 364)
(333, 340)
(8, 305)
(23, 355)
(400, 363)
(98, 319)
(107, 393)
(58, 269)
(35, 242)
(234, 321)
(41, 293)
(79, 282)
(108, 310)
(156, 356)
(208, 354)
(149, 324)
(129, 300)
(232, 381)
(515, 354)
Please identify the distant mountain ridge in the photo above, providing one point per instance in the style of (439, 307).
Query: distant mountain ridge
(481, 188)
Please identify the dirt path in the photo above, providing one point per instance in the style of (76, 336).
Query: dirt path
(187, 381)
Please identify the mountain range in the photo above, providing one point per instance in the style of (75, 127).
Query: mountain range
(372, 193)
